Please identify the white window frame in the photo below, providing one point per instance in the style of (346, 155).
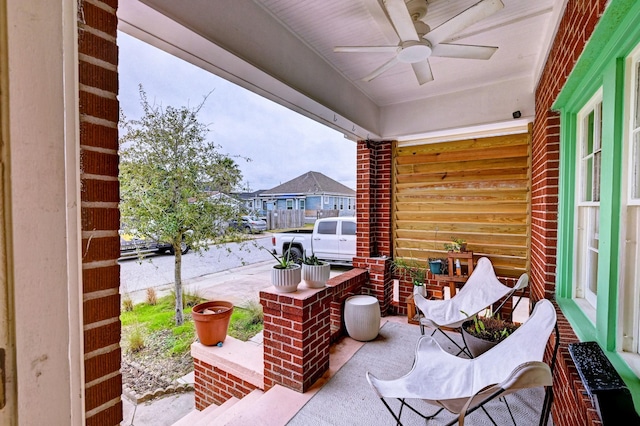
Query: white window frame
(587, 211)
(629, 310)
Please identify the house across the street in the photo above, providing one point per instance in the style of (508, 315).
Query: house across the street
(312, 192)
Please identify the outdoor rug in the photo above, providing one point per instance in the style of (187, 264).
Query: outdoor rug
(347, 399)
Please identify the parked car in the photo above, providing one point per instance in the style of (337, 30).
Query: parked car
(332, 239)
(248, 224)
(131, 246)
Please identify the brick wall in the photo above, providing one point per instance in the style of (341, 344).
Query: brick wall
(297, 335)
(342, 287)
(570, 407)
(217, 386)
(98, 104)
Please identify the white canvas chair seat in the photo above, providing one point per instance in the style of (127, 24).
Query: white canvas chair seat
(481, 290)
(461, 385)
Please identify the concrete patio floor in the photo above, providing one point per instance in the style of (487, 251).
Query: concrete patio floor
(235, 285)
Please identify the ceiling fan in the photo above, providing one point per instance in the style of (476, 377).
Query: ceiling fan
(418, 42)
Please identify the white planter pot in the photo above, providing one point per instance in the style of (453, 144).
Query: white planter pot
(286, 280)
(316, 276)
(420, 289)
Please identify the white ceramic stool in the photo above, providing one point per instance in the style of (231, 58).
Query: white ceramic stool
(362, 317)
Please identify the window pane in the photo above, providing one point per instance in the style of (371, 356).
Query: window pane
(596, 176)
(348, 228)
(589, 136)
(592, 273)
(587, 194)
(637, 112)
(327, 227)
(635, 167)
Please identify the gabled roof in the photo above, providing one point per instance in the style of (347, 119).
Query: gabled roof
(311, 183)
(249, 195)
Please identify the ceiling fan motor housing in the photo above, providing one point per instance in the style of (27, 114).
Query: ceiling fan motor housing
(414, 51)
(417, 8)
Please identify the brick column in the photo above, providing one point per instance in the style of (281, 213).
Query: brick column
(373, 195)
(297, 333)
(98, 112)
(544, 204)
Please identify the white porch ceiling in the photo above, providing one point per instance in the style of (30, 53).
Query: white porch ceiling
(283, 49)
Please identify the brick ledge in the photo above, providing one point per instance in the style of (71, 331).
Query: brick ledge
(244, 360)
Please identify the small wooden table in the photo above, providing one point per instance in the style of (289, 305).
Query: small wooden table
(451, 277)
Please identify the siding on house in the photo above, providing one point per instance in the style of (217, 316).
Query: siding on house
(312, 192)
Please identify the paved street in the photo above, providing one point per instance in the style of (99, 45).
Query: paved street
(157, 270)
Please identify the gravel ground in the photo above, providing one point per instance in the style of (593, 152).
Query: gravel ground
(149, 369)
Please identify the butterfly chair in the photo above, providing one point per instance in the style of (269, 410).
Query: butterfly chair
(481, 290)
(462, 385)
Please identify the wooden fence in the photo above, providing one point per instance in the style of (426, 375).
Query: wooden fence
(283, 219)
(475, 189)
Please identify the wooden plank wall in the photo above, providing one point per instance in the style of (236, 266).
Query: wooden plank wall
(475, 189)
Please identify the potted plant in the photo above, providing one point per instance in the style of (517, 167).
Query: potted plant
(285, 274)
(413, 271)
(212, 321)
(315, 272)
(456, 245)
(437, 266)
(482, 333)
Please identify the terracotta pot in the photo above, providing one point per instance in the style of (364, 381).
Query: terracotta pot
(212, 321)
(286, 280)
(316, 276)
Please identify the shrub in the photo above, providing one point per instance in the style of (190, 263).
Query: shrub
(152, 297)
(135, 340)
(127, 303)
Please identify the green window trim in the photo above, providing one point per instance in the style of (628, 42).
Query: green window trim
(602, 64)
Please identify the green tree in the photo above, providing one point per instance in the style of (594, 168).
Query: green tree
(168, 171)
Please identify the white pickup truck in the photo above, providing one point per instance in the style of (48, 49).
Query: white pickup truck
(332, 239)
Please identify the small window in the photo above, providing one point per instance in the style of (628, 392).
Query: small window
(587, 234)
(327, 227)
(289, 204)
(348, 228)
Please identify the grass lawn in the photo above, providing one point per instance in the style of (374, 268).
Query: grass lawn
(147, 321)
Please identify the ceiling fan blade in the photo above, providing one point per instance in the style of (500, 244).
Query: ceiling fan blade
(401, 20)
(423, 71)
(381, 69)
(366, 49)
(470, 16)
(463, 51)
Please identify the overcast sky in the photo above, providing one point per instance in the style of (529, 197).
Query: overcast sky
(282, 144)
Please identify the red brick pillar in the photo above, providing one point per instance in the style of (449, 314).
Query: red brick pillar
(544, 205)
(98, 112)
(373, 206)
(297, 334)
(373, 198)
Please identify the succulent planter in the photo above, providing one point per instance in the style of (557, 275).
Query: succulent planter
(476, 345)
(479, 345)
(316, 276)
(286, 280)
(212, 321)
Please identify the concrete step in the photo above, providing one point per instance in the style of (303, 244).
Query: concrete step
(261, 412)
(195, 416)
(237, 410)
